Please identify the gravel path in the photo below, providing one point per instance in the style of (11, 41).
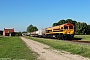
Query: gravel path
(46, 53)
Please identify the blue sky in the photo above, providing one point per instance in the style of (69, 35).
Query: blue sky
(19, 14)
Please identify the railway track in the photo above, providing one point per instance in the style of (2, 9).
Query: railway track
(80, 42)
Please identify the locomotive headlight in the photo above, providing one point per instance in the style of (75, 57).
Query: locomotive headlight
(72, 32)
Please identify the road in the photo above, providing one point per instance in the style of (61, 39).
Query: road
(47, 53)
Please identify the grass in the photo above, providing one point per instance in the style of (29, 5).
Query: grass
(83, 37)
(61, 45)
(15, 48)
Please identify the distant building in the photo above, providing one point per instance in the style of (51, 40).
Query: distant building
(8, 32)
(25, 34)
(1, 32)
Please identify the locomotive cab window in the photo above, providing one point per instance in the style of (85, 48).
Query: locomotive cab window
(65, 27)
(70, 27)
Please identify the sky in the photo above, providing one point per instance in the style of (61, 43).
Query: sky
(19, 14)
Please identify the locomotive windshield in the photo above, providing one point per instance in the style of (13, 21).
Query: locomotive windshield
(70, 27)
(65, 27)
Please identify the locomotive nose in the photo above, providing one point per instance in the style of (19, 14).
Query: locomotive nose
(70, 32)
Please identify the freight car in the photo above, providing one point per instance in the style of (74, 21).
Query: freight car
(64, 31)
(33, 34)
(39, 33)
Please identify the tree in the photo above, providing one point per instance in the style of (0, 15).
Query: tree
(31, 28)
(55, 24)
(69, 20)
(61, 22)
(88, 29)
(81, 28)
(18, 33)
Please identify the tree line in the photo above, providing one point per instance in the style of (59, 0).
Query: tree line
(81, 28)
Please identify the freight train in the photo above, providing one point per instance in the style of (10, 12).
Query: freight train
(64, 31)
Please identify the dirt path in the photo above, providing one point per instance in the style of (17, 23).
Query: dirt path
(46, 53)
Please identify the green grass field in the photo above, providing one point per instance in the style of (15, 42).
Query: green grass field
(15, 48)
(83, 37)
(61, 45)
